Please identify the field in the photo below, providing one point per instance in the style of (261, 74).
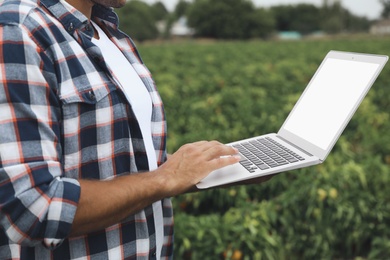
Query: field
(233, 90)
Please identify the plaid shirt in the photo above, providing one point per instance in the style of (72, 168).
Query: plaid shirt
(62, 117)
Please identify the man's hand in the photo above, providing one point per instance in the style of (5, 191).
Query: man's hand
(257, 180)
(192, 162)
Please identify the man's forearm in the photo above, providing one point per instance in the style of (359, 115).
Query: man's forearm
(104, 203)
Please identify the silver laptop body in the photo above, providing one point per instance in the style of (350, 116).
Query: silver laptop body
(313, 126)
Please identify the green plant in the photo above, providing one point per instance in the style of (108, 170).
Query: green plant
(232, 90)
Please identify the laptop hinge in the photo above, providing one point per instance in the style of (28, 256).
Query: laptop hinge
(300, 149)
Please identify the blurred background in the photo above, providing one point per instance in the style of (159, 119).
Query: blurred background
(245, 19)
(232, 69)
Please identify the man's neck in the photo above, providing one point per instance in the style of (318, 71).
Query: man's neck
(84, 6)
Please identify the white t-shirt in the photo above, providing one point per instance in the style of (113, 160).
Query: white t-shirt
(140, 100)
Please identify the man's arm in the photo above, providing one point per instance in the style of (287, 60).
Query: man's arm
(37, 204)
(104, 203)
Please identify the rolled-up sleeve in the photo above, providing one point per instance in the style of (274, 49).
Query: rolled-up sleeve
(37, 204)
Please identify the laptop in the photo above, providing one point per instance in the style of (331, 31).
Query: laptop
(313, 126)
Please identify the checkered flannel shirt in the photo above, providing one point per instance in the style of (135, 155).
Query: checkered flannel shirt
(62, 117)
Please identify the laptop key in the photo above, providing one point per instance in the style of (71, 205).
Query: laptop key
(262, 166)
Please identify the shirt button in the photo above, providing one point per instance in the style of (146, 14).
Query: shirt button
(71, 27)
(91, 95)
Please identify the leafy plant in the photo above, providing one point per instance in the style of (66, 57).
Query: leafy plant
(233, 90)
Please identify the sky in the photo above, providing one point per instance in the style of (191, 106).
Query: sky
(368, 8)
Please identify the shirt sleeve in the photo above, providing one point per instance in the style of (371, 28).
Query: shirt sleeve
(37, 203)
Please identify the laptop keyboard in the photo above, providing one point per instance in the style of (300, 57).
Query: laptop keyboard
(265, 153)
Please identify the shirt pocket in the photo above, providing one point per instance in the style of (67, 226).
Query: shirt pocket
(95, 124)
(76, 102)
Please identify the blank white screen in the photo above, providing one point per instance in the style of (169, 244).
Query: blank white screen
(328, 101)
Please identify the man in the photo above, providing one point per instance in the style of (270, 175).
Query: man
(83, 165)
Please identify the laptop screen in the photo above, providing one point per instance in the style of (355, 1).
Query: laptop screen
(331, 97)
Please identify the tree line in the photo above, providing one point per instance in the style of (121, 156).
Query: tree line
(239, 19)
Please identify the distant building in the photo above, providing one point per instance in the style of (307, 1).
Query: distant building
(178, 29)
(381, 28)
(181, 29)
(289, 35)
